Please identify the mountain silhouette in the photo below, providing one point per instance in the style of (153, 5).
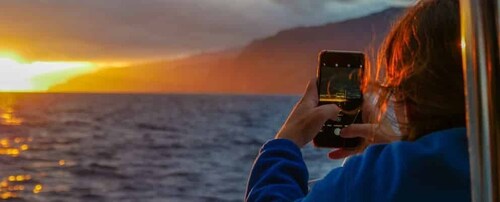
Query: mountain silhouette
(282, 63)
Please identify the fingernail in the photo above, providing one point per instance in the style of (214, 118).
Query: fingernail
(331, 155)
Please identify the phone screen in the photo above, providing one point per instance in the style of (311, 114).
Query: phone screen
(339, 84)
(339, 81)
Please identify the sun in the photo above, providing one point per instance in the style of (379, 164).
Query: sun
(17, 75)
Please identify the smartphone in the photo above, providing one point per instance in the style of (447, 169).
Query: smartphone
(339, 82)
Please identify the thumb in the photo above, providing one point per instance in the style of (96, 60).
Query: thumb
(363, 130)
(310, 98)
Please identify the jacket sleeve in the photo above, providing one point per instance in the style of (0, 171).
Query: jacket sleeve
(278, 174)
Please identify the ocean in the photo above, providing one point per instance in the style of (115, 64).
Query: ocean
(137, 147)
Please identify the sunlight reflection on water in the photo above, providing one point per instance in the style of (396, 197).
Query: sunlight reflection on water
(7, 115)
(16, 184)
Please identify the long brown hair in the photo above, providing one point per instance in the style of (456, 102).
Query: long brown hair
(419, 65)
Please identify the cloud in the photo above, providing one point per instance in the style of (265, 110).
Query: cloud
(130, 29)
(320, 5)
(322, 11)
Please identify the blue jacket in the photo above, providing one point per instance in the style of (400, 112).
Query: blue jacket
(433, 168)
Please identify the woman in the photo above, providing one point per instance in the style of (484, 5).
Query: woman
(416, 146)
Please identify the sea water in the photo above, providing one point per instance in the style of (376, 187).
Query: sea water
(135, 147)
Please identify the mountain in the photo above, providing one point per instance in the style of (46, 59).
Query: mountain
(277, 64)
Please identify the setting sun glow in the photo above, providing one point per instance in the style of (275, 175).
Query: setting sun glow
(17, 75)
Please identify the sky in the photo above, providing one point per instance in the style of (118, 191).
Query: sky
(46, 42)
(126, 30)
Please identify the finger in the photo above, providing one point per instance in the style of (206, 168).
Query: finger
(358, 130)
(341, 153)
(324, 112)
(310, 98)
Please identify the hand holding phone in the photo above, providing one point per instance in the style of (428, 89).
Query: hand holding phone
(307, 118)
(339, 83)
